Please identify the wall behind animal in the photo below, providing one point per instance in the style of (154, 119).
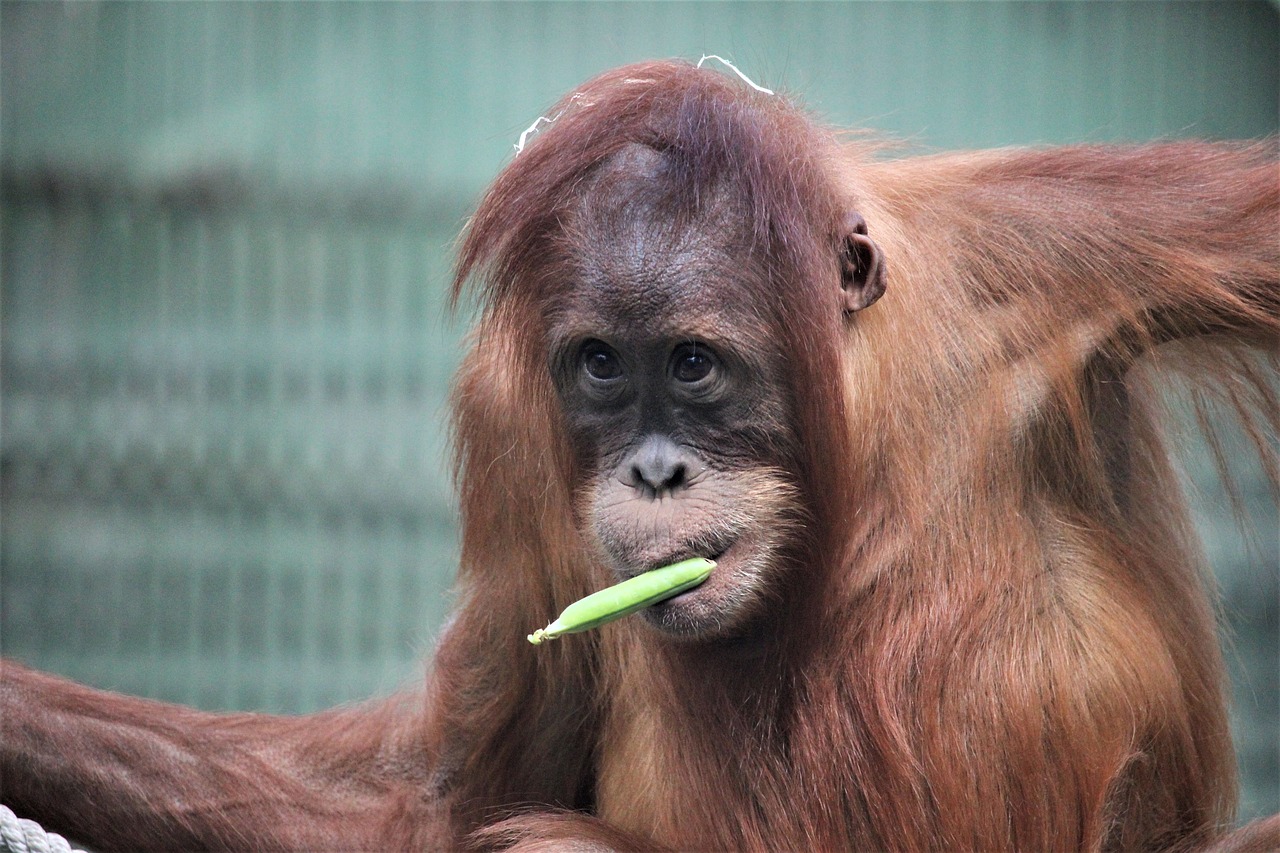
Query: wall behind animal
(226, 233)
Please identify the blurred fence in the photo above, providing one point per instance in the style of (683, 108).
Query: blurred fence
(223, 467)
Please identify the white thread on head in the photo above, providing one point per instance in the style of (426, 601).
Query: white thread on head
(519, 146)
(541, 120)
(530, 129)
(727, 64)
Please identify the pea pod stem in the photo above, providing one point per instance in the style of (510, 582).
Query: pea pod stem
(625, 598)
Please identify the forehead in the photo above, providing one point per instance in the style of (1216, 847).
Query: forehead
(642, 258)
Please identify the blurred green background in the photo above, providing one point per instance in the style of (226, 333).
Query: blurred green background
(226, 242)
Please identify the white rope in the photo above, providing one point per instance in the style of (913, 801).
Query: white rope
(18, 835)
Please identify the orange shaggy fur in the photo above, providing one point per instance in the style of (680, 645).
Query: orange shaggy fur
(999, 636)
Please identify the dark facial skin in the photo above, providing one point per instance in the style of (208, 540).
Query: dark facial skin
(674, 399)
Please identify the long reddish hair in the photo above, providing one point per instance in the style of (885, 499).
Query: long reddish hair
(1001, 634)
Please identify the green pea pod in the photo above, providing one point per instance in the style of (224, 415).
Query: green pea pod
(627, 597)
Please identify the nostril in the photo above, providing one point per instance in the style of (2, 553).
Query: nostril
(658, 478)
(678, 476)
(658, 466)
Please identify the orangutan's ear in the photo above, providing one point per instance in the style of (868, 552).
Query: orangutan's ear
(861, 265)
